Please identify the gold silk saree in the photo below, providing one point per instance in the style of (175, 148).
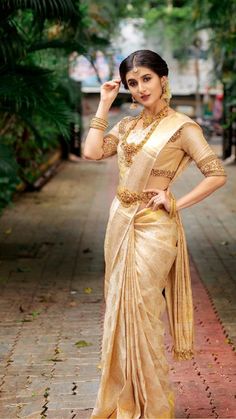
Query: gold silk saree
(145, 253)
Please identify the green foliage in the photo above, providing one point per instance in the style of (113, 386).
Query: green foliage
(33, 109)
(8, 175)
(168, 22)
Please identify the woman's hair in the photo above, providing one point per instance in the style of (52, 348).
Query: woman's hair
(144, 58)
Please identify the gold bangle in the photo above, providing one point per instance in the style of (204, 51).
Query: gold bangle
(99, 122)
(97, 126)
(100, 119)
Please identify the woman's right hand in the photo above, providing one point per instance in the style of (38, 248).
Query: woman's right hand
(109, 90)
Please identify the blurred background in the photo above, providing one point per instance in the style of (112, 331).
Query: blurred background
(54, 55)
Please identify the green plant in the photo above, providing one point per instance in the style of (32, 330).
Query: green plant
(29, 94)
(8, 175)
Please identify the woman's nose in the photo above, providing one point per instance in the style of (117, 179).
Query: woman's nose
(141, 88)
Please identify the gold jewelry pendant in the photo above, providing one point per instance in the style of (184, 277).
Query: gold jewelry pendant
(134, 104)
(129, 151)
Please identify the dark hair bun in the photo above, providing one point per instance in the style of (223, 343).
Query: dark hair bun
(143, 58)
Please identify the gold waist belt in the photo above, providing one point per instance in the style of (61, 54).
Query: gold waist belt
(128, 198)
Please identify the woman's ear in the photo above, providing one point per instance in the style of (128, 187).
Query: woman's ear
(164, 80)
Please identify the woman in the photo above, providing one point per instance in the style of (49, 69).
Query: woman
(145, 249)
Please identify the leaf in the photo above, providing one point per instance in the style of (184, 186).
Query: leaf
(88, 290)
(82, 344)
(35, 314)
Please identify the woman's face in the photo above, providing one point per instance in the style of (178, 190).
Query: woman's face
(144, 85)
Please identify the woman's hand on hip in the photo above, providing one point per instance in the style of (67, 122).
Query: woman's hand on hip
(160, 199)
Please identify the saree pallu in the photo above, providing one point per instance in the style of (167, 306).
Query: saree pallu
(135, 380)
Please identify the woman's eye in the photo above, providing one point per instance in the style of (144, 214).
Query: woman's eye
(147, 78)
(132, 83)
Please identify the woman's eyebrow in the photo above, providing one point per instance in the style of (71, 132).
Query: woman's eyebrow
(145, 75)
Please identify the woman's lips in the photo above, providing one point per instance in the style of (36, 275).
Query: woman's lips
(145, 97)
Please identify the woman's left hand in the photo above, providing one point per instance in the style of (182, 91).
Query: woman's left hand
(160, 199)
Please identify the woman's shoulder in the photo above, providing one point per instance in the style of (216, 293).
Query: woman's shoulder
(183, 117)
(185, 121)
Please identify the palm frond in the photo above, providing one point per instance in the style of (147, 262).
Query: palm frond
(28, 90)
(68, 46)
(8, 165)
(12, 45)
(43, 8)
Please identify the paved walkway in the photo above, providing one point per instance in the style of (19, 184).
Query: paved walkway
(51, 311)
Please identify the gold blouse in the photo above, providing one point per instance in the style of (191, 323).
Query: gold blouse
(189, 139)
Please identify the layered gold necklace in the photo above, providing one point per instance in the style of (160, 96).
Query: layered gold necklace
(130, 149)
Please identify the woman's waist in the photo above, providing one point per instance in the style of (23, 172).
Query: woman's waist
(159, 182)
(127, 197)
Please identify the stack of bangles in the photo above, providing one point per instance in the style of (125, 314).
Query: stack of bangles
(172, 206)
(98, 123)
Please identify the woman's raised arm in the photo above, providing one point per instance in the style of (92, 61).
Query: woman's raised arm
(93, 147)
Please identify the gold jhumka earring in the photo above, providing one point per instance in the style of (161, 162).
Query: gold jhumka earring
(134, 104)
(166, 93)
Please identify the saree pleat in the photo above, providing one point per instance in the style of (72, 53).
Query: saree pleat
(135, 380)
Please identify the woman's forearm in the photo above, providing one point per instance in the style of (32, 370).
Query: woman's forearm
(94, 140)
(201, 191)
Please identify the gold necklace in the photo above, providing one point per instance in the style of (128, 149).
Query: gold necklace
(130, 149)
(148, 119)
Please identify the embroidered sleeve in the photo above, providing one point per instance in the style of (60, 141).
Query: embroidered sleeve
(109, 146)
(110, 141)
(196, 146)
(211, 166)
